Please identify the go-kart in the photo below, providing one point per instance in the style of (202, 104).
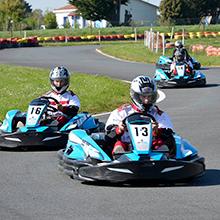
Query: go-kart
(181, 76)
(164, 63)
(38, 127)
(85, 160)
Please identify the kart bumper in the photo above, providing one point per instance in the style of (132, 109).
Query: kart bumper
(144, 170)
(33, 139)
(191, 82)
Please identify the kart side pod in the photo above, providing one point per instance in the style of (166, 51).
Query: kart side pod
(80, 146)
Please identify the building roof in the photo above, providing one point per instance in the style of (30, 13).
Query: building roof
(153, 3)
(67, 7)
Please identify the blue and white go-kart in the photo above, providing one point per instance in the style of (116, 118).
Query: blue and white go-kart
(179, 77)
(164, 63)
(37, 127)
(85, 160)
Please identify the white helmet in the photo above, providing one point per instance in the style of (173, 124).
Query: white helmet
(59, 73)
(143, 92)
(178, 44)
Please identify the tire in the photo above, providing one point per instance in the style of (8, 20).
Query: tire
(197, 66)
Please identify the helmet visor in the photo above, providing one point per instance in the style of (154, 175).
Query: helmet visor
(146, 98)
(59, 82)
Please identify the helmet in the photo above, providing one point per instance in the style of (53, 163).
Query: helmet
(178, 44)
(143, 92)
(179, 56)
(59, 73)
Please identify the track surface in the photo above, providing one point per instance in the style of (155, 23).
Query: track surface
(33, 188)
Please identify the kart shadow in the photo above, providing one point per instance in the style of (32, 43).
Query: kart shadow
(30, 149)
(210, 178)
(210, 85)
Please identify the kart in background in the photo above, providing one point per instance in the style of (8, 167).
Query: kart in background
(164, 63)
(180, 77)
(37, 127)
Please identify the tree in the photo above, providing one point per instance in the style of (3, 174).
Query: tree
(35, 20)
(187, 11)
(50, 20)
(98, 9)
(170, 10)
(14, 12)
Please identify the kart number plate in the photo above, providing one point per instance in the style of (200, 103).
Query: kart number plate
(141, 136)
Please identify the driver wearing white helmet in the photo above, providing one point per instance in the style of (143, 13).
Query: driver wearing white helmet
(69, 103)
(143, 93)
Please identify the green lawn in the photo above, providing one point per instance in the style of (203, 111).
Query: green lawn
(138, 52)
(105, 31)
(19, 85)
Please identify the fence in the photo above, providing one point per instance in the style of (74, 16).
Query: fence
(154, 41)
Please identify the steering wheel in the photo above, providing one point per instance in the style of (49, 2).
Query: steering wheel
(138, 113)
(51, 108)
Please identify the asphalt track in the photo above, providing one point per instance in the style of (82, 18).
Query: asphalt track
(31, 187)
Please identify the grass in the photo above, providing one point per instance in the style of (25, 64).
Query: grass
(138, 52)
(20, 85)
(105, 31)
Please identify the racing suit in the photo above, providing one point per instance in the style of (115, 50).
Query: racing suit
(189, 68)
(164, 134)
(69, 102)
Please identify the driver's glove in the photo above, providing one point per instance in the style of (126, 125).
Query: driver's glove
(56, 114)
(60, 107)
(155, 128)
(62, 119)
(120, 128)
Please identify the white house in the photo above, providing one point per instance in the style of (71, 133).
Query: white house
(140, 12)
(69, 13)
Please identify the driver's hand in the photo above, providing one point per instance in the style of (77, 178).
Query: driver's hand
(57, 114)
(155, 128)
(120, 129)
(60, 107)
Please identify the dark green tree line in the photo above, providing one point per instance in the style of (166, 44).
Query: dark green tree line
(100, 9)
(188, 11)
(13, 12)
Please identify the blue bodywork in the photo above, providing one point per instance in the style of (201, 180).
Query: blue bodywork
(164, 78)
(38, 129)
(80, 145)
(164, 62)
(86, 160)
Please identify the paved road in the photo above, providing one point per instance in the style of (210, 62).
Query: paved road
(32, 187)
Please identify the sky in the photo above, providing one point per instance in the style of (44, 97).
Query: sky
(54, 4)
(47, 4)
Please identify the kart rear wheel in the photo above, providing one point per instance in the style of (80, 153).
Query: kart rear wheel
(197, 66)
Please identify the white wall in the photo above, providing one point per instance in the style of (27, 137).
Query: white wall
(140, 11)
(80, 21)
(60, 19)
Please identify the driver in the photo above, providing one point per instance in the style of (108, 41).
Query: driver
(143, 93)
(179, 58)
(69, 103)
(179, 47)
